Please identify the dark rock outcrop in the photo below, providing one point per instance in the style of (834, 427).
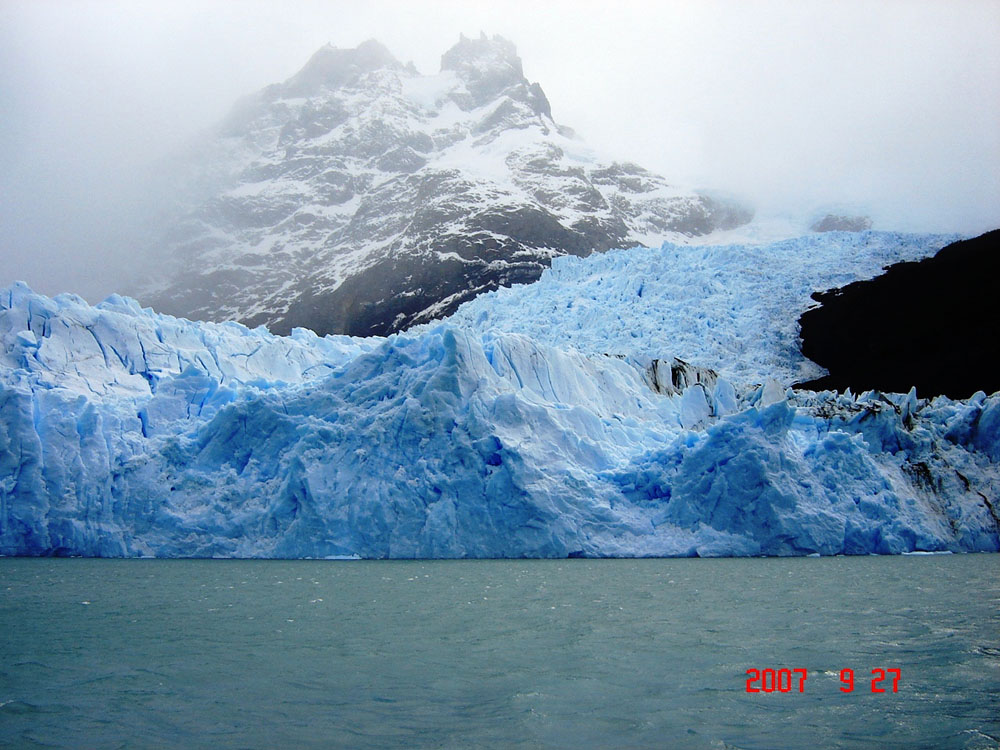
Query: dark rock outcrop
(840, 223)
(931, 324)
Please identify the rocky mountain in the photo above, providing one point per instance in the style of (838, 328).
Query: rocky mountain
(362, 197)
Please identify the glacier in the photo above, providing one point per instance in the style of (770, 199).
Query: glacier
(532, 423)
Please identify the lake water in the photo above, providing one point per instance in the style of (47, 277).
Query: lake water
(498, 654)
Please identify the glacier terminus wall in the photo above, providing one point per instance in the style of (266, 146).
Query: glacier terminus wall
(124, 432)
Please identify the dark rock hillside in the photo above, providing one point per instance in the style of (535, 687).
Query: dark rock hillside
(932, 324)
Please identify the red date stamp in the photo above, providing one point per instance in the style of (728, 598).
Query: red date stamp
(785, 680)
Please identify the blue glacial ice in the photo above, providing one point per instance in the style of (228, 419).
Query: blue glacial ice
(493, 434)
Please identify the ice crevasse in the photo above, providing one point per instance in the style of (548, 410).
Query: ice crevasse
(128, 433)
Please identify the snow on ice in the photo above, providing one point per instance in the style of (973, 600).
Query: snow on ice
(549, 420)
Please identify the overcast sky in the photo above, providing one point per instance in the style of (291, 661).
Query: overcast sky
(892, 108)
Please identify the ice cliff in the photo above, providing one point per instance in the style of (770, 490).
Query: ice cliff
(128, 433)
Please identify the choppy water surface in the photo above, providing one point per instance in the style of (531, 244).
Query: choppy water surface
(505, 654)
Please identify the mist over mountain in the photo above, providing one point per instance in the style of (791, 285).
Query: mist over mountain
(362, 197)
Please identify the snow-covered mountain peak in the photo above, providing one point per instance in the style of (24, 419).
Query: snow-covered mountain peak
(488, 66)
(471, 57)
(362, 197)
(333, 67)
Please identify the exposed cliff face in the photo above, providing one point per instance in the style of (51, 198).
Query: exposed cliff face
(362, 197)
(930, 324)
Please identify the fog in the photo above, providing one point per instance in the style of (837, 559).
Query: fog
(889, 108)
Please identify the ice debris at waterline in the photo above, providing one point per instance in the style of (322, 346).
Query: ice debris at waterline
(127, 433)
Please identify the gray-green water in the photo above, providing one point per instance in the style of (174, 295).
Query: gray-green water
(497, 654)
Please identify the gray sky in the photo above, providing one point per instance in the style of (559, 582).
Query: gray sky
(891, 107)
